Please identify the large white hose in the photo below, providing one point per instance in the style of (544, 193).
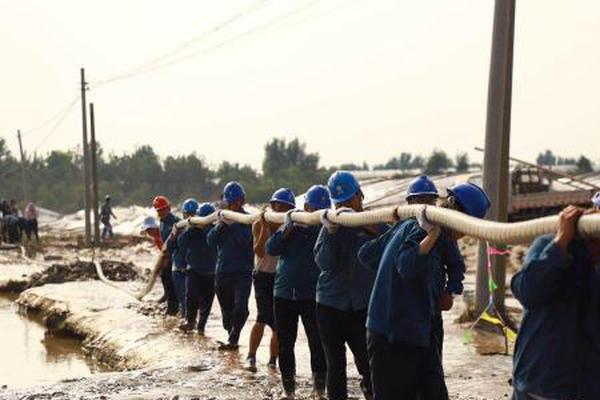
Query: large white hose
(494, 232)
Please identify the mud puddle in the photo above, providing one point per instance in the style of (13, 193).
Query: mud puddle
(32, 356)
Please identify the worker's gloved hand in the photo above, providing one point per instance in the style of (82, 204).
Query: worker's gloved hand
(446, 301)
(423, 221)
(330, 226)
(287, 220)
(222, 220)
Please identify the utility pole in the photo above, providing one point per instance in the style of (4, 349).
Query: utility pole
(497, 144)
(86, 162)
(23, 174)
(94, 175)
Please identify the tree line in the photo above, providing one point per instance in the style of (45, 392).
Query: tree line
(54, 180)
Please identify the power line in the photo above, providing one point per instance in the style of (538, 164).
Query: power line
(178, 49)
(266, 25)
(48, 121)
(66, 112)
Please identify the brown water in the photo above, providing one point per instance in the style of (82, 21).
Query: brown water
(31, 356)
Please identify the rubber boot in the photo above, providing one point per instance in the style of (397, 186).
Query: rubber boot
(319, 384)
(289, 388)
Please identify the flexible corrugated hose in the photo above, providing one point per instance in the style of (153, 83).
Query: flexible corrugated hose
(493, 232)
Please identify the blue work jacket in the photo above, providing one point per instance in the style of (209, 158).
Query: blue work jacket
(166, 227)
(344, 283)
(557, 353)
(200, 258)
(234, 247)
(297, 273)
(404, 300)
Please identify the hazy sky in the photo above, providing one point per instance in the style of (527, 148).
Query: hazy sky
(355, 79)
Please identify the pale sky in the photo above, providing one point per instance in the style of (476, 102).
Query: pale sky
(356, 80)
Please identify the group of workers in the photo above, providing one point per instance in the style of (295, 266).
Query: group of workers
(380, 290)
(14, 223)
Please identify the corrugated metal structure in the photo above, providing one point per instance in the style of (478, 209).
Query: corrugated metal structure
(535, 193)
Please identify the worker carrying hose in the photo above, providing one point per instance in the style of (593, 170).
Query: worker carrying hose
(295, 291)
(233, 279)
(263, 277)
(404, 354)
(179, 264)
(557, 353)
(162, 205)
(200, 272)
(448, 278)
(344, 287)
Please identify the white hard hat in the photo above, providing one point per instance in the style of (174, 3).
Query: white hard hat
(149, 223)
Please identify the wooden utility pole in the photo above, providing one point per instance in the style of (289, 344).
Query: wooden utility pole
(23, 173)
(94, 171)
(86, 162)
(497, 144)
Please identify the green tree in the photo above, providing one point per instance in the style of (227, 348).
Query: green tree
(437, 162)
(584, 165)
(462, 162)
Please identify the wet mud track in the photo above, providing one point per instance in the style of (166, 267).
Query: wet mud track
(157, 361)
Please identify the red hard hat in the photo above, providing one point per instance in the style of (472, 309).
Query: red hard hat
(160, 203)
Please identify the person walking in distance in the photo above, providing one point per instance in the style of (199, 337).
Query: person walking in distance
(106, 213)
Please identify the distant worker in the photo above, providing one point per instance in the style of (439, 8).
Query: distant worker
(344, 287)
(295, 292)
(31, 222)
(557, 353)
(404, 352)
(265, 266)
(106, 213)
(233, 280)
(150, 228)
(200, 272)
(162, 205)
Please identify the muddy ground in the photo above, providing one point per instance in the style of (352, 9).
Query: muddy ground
(154, 360)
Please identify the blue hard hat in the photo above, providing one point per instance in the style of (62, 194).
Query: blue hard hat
(473, 200)
(284, 196)
(190, 206)
(596, 199)
(205, 209)
(342, 186)
(233, 191)
(421, 186)
(317, 197)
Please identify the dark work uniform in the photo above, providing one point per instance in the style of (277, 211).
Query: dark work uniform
(294, 293)
(166, 225)
(343, 291)
(199, 275)
(404, 358)
(233, 281)
(557, 353)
